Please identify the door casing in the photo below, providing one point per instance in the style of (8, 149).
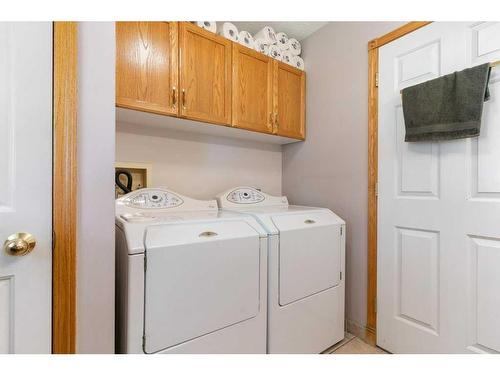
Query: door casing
(373, 49)
(64, 191)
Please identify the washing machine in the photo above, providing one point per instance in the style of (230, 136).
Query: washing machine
(306, 263)
(189, 278)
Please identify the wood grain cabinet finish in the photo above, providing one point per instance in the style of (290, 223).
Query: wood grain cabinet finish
(179, 69)
(252, 90)
(289, 104)
(205, 75)
(147, 66)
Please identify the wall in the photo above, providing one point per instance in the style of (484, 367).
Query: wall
(330, 168)
(198, 165)
(96, 155)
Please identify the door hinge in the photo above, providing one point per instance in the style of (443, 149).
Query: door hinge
(376, 79)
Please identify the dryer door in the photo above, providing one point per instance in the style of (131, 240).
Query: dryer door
(200, 278)
(309, 254)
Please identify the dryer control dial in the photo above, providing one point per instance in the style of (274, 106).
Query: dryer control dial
(245, 196)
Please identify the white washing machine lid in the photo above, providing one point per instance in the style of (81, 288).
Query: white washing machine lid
(264, 207)
(173, 209)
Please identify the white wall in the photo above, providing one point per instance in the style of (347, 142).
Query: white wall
(96, 155)
(330, 168)
(198, 165)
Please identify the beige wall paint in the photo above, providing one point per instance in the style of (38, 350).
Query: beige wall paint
(330, 168)
(96, 209)
(198, 165)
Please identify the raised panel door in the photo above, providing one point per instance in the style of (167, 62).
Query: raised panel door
(147, 66)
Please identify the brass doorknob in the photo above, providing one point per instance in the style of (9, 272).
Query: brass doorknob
(19, 244)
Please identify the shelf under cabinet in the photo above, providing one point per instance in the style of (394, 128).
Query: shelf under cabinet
(139, 118)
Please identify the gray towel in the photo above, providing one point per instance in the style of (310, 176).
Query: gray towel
(448, 107)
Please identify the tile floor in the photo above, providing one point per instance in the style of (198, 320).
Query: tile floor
(353, 345)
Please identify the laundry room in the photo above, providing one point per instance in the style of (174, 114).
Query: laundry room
(313, 184)
(198, 150)
(240, 138)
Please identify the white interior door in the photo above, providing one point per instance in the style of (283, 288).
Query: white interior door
(26, 185)
(438, 205)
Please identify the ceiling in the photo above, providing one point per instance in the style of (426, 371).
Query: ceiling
(297, 30)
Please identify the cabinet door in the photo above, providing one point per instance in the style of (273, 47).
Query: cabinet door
(290, 101)
(205, 75)
(147, 66)
(252, 90)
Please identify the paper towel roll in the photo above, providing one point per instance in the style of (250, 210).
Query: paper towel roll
(274, 52)
(229, 31)
(298, 62)
(267, 35)
(246, 39)
(282, 40)
(294, 46)
(208, 25)
(260, 46)
(287, 57)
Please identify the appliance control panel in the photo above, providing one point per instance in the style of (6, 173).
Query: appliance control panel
(154, 199)
(245, 196)
(159, 200)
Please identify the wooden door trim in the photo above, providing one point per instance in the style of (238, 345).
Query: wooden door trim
(373, 54)
(64, 204)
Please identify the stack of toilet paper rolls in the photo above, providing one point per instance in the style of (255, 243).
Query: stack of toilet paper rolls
(276, 45)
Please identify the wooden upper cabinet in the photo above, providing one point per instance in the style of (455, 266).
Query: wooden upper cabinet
(180, 69)
(290, 101)
(147, 66)
(205, 75)
(252, 90)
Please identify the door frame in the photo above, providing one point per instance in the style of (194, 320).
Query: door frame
(64, 191)
(373, 52)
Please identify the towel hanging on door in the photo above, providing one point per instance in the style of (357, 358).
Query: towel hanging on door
(448, 107)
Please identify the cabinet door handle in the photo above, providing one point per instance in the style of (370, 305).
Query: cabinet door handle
(174, 97)
(183, 99)
(276, 123)
(270, 126)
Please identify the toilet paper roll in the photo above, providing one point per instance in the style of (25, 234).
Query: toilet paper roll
(274, 52)
(208, 25)
(298, 62)
(287, 57)
(267, 35)
(294, 46)
(261, 47)
(246, 39)
(229, 31)
(282, 41)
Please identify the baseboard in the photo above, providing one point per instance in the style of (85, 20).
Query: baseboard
(367, 334)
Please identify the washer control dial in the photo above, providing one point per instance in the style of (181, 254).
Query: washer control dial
(154, 199)
(245, 196)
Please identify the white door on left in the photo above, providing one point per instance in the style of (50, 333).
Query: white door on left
(25, 186)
